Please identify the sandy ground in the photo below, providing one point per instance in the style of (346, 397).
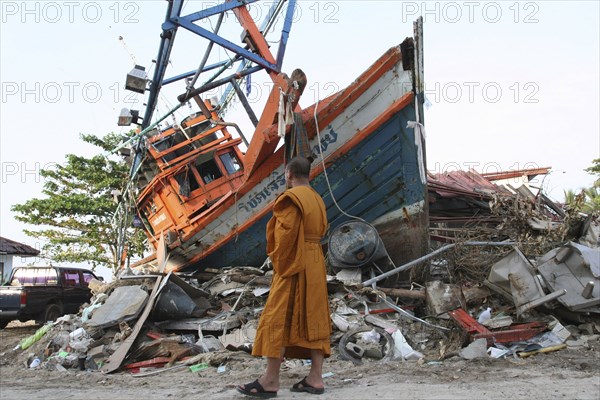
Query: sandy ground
(572, 373)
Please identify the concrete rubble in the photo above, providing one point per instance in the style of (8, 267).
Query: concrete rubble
(472, 302)
(366, 329)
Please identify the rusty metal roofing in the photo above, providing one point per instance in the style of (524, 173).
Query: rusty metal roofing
(461, 183)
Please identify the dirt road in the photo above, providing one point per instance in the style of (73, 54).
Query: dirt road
(566, 374)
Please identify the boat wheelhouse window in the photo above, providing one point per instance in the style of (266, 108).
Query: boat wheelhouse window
(187, 182)
(170, 141)
(199, 128)
(209, 171)
(230, 162)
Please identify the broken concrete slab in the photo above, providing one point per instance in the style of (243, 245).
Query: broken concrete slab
(477, 349)
(124, 304)
(354, 343)
(402, 349)
(343, 323)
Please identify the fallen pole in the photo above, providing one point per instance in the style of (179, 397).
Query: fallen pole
(266, 281)
(441, 250)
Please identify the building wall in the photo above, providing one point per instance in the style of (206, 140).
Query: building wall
(6, 264)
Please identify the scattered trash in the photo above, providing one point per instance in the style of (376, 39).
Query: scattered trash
(198, 367)
(378, 345)
(495, 352)
(35, 363)
(402, 349)
(221, 369)
(27, 342)
(160, 323)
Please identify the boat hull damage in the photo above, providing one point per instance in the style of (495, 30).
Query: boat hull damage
(374, 164)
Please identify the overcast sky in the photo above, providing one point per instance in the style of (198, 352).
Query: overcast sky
(511, 84)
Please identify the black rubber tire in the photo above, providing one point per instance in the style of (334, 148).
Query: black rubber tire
(51, 313)
(3, 323)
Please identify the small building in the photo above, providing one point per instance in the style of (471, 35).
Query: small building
(9, 250)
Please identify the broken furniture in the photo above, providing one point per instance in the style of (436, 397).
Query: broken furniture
(514, 277)
(576, 269)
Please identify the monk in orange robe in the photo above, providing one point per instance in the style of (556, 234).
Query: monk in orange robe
(295, 322)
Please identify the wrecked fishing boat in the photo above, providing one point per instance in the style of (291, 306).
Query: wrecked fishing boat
(210, 200)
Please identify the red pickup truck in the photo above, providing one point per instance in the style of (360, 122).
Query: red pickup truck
(43, 293)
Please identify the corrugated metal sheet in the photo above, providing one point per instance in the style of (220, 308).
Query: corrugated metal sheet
(463, 183)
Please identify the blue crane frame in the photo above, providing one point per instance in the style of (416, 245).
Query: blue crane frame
(174, 20)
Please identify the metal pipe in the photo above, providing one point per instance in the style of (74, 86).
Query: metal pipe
(409, 315)
(190, 86)
(431, 255)
(537, 302)
(244, 102)
(237, 128)
(186, 96)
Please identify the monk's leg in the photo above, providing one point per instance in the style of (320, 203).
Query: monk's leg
(270, 379)
(315, 376)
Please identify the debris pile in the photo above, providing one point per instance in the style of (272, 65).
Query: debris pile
(150, 323)
(499, 296)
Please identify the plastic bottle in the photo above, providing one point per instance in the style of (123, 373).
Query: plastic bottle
(485, 315)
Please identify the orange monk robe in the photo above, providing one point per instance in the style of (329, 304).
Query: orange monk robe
(296, 315)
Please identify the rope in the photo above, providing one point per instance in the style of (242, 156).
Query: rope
(325, 169)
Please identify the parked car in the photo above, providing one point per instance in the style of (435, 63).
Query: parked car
(43, 293)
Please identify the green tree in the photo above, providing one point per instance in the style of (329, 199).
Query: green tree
(593, 194)
(594, 169)
(76, 216)
(592, 199)
(570, 196)
(588, 200)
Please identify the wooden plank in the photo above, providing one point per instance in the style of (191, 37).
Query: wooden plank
(114, 362)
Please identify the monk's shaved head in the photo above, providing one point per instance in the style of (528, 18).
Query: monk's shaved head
(299, 167)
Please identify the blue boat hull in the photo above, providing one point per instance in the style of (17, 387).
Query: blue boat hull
(378, 180)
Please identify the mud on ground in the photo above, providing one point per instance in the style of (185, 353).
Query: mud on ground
(572, 373)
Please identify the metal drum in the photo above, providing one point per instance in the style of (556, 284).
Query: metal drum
(355, 244)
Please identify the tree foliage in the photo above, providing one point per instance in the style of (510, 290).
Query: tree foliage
(76, 214)
(588, 200)
(595, 169)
